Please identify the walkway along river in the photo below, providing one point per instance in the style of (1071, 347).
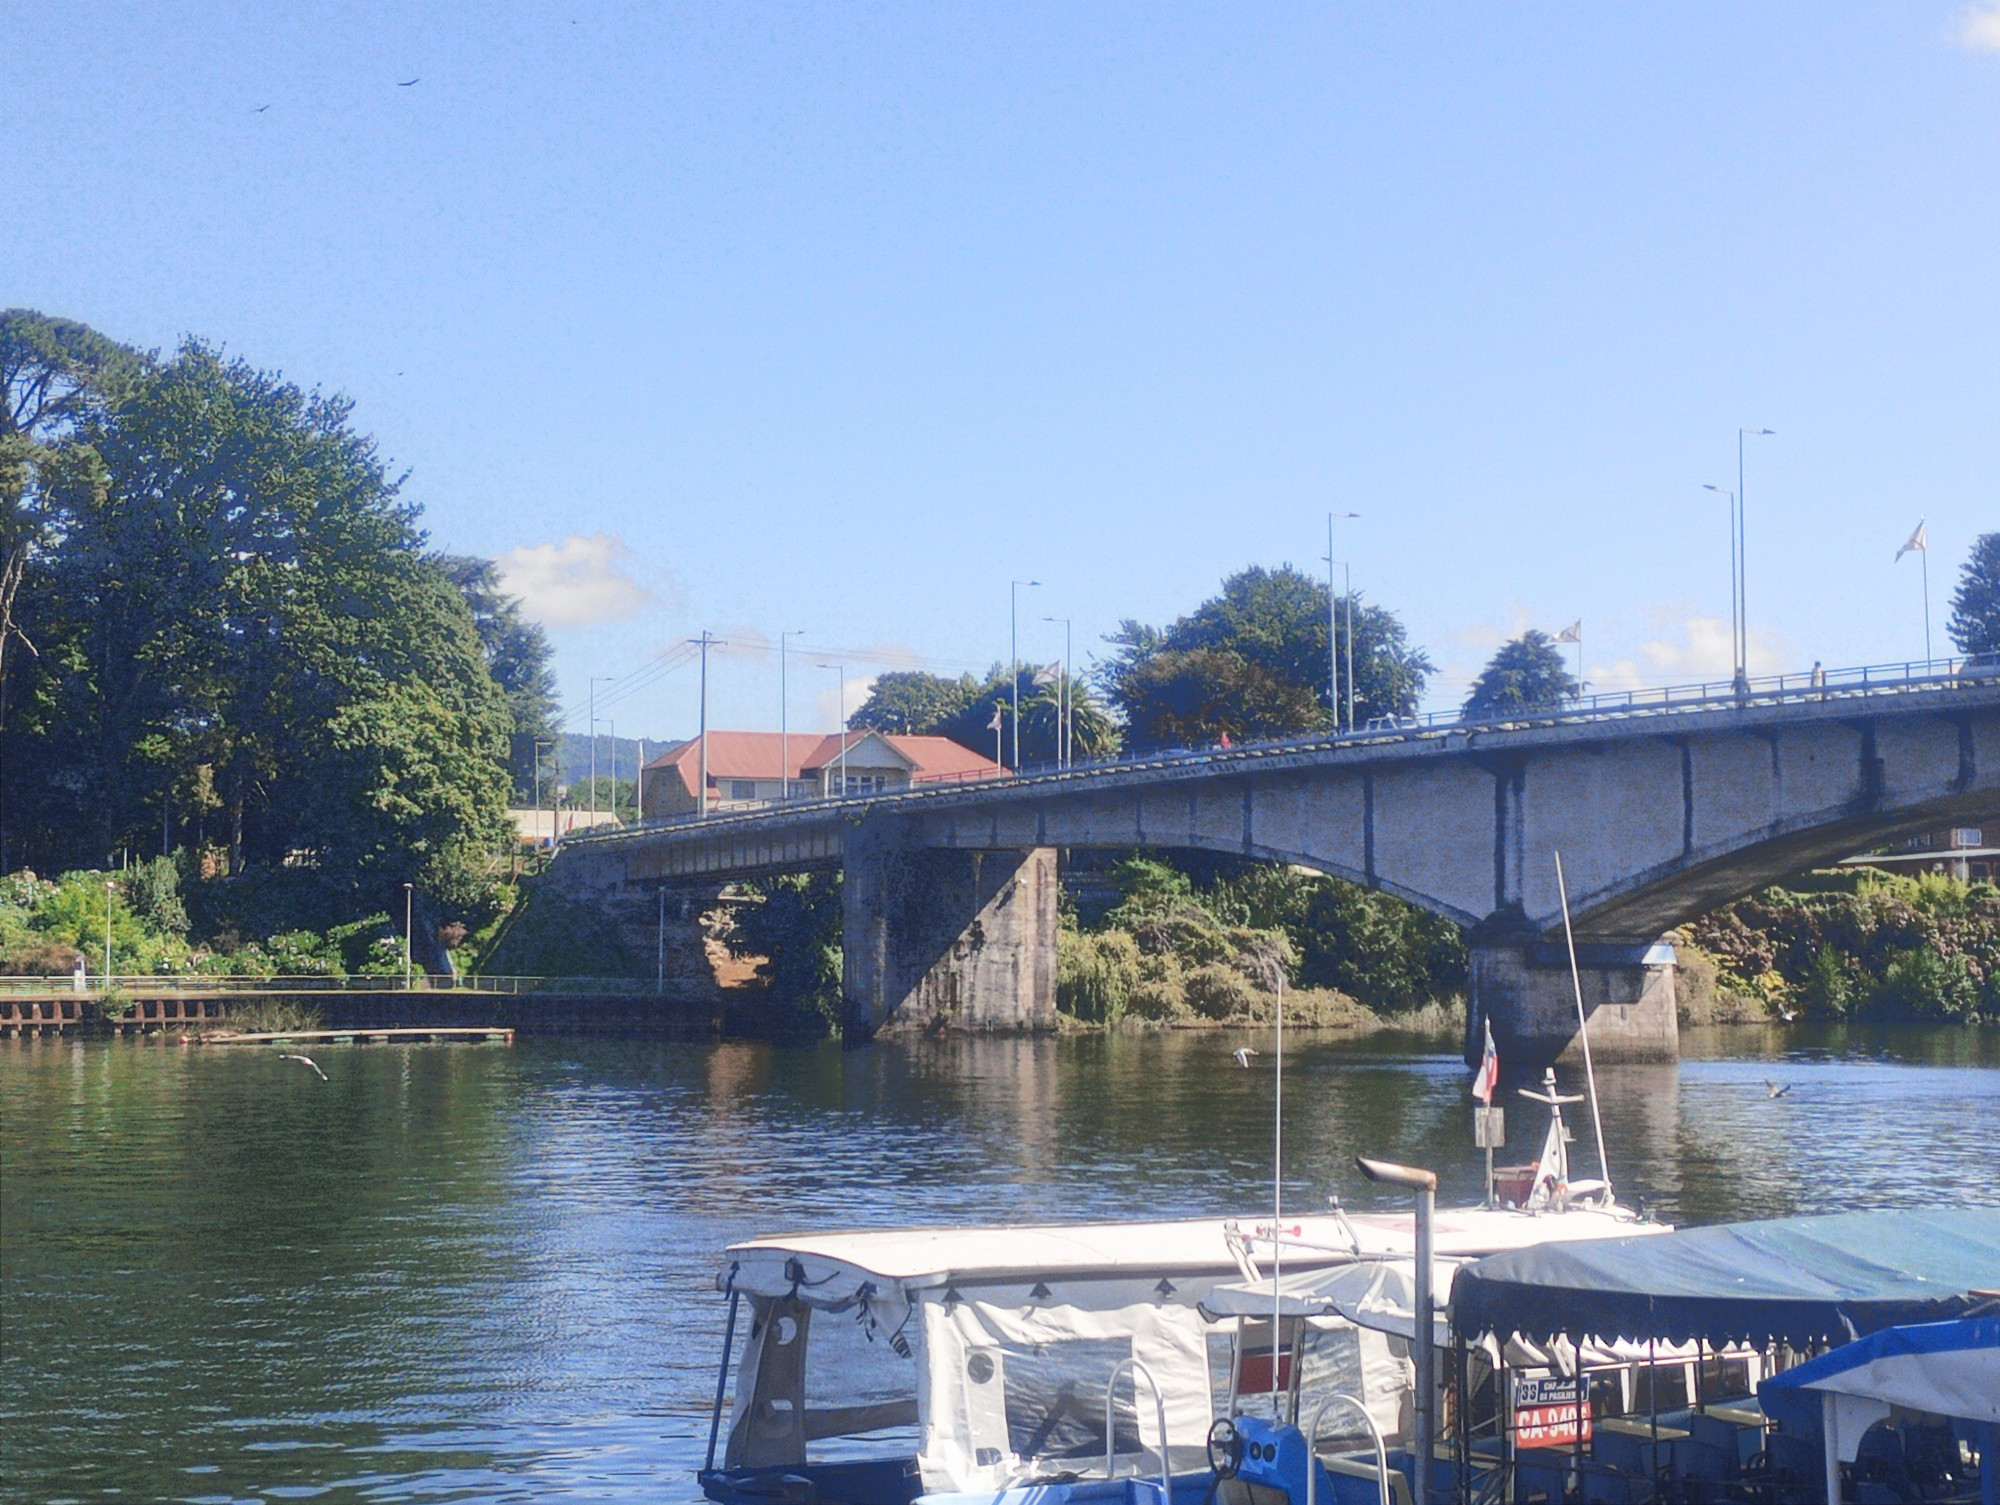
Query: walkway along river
(453, 1273)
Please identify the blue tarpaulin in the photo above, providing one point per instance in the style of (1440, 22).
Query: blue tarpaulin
(1805, 1280)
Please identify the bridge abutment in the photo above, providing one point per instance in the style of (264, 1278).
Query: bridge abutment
(1523, 987)
(941, 939)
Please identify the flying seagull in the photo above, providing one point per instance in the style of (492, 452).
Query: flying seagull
(1788, 1015)
(405, 83)
(1243, 1056)
(308, 1061)
(260, 109)
(1773, 1089)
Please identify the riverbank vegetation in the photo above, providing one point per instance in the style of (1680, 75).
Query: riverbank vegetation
(1855, 943)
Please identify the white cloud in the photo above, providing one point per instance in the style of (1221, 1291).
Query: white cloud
(826, 704)
(1978, 27)
(582, 581)
(1700, 650)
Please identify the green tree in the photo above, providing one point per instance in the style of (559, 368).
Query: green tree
(55, 375)
(238, 607)
(913, 702)
(792, 926)
(1253, 662)
(1975, 605)
(1525, 675)
(1093, 734)
(518, 657)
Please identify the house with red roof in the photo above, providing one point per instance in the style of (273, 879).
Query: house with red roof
(761, 768)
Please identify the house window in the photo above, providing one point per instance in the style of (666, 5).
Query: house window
(743, 789)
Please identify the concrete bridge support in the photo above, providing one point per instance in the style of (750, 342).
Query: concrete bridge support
(1524, 987)
(938, 939)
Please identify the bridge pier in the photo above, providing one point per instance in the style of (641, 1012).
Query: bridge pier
(1523, 987)
(940, 939)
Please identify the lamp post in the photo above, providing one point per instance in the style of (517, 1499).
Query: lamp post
(611, 734)
(109, 889)
(784, 720)
(1014, 658)
(1743, 557)
(595, 680)
(539, 745)
(1333, 635)
(705, 642)
(1735, 615)
(842, 668)
(409, 901)
(1063, 705)
(1422, 1336)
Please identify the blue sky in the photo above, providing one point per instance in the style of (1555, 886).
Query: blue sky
(839, 318)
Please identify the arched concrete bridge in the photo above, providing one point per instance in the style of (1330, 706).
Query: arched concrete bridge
(1660, 815)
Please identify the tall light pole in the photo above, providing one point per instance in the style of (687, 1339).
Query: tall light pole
(1735, 607)
(409, 905)
(109, 889)
(539, 745)
(611, 734)
(1063, 742)
(1014, 658)
(843, 724)
(784, 719)
(705, 642)
(595, 680)
(1743, 556)
(1333, 632)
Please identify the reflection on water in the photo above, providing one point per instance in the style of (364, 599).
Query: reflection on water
(472, 1273)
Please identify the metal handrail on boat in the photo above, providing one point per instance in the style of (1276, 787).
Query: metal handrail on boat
(1312, 1441)
(1138, 1367)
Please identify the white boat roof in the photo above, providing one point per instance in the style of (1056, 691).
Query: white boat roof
(917, 1258)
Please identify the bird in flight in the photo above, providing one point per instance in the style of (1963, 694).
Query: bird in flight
(1774, 1089)
(307, 1060)
(404, 84)
(1243, 1056)
(260, 109)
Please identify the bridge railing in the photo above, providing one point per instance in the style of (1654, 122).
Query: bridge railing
(1797, 687)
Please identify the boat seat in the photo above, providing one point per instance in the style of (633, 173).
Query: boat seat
(1352, 1481)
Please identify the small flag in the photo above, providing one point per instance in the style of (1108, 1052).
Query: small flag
(1572, 633)
(1918, 541)
(994, 724)
(1048, 674)
(1487, 1077)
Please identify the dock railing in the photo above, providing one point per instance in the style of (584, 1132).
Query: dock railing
(197, 985)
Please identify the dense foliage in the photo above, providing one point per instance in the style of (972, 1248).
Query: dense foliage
(1863, 944)
(47, 925)
(519, 659)
(791, 925)
(1527, 674)
(1975, 605)
(965, 709)
(1252, 662)
(230, 639)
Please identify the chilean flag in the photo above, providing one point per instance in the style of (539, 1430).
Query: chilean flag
(1487, 1077)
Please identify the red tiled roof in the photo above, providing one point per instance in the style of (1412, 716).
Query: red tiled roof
(755, 755)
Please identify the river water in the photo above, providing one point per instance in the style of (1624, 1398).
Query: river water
(455, 1273)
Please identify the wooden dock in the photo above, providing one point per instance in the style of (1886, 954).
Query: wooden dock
(444, 1033)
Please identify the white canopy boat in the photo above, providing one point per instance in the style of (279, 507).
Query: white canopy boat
(1029, 1365)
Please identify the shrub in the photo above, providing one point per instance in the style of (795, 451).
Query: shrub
(1160, 993)
(1216, 991)
(1095, 975)
(1922, 984)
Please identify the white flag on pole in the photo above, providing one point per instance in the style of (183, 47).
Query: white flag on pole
(1918, 541)
(1572, 633)
(994, 724)
(1047, 674)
